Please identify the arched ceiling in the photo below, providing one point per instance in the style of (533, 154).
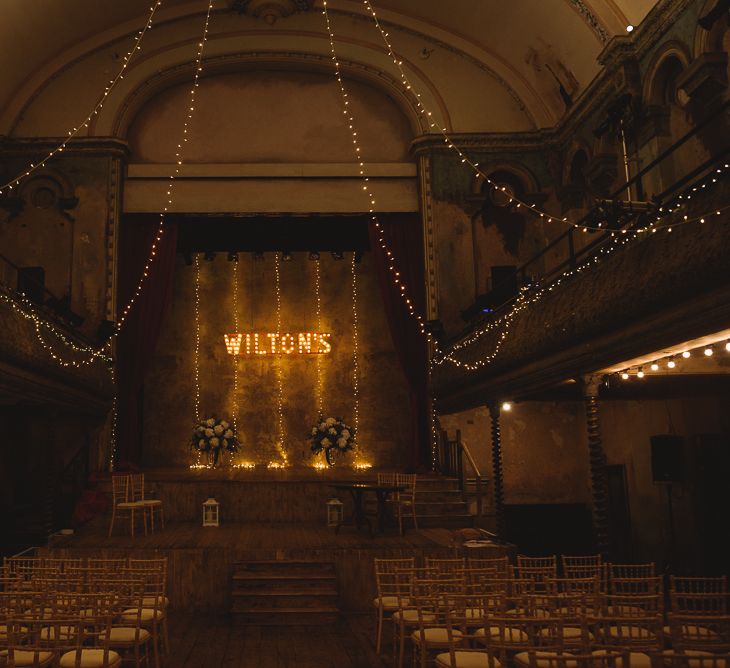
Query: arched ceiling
(527, 46)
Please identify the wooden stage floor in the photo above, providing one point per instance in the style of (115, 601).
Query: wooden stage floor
(201, 561)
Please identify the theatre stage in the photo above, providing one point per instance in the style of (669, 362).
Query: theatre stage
(265, 516)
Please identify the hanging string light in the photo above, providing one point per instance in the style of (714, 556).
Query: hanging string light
(137, 46)
(196, 351)
(319, 388)
(281, 427)
(113, 435)
(178, 165)
(234, 412)
(355, 363)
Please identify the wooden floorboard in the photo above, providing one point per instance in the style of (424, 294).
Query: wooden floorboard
(211, 641)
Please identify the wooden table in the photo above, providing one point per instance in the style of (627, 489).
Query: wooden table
(358, 490)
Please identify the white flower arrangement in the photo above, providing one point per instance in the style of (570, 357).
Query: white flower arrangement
(332, 435)
(212, 436)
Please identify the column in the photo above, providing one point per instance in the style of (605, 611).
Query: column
(498, 480)
(597, 460)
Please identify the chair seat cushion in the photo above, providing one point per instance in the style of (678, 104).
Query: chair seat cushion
(390, 602)
(152, 502)
(510, 634)
(127, 635)
(434, 636)
(636, 659)
(90, 658)
(695, 632)
(147, 614)
(130, 504)
(25, 658)
(630, 632)
(467, 660)
(161, 601)
(542, 658)
(411, 615)
(624, 610)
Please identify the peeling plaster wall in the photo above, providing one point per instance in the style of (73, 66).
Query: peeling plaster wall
(169, 389)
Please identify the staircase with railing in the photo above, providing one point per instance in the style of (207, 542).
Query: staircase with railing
(457, 461)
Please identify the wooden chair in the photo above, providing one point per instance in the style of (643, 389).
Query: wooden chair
(671, 659)
(433, 601)
(406, 500)
(445, 566)
(700, 633)
(389, 584)
(647, 570)
(500, 564)
(538, 658)
(122, 503)
(152, 506)
(461, 621)
(91, 645)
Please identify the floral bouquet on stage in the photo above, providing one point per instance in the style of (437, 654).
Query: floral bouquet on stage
(332, 435)
(211, 436)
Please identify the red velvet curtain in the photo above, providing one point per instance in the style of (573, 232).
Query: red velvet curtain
(138, 339)
(404, 238)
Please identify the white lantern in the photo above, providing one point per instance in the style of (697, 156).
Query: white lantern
(210, 513)
(334, 512)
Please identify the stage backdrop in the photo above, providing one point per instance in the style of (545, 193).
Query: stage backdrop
(385, 410)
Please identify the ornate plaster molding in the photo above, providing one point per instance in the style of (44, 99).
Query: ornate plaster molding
(271, 10)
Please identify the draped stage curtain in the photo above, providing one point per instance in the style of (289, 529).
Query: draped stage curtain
(138, 339)
(405, 240)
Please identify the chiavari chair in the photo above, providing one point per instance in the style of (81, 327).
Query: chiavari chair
(547, 565)
(445, 566)
(127, 634)
(107, 565)
(500, 564)
(647, 570)
(91, 647)
(156, 567)
(698, 585)
(692, 633)
(151, 506)
(26, 647)
(640, 633)
(405, 618)
(699, 659)
(463, 649)
(432, 600)
(122, 503)
(613, 658)
(152, 615)
(406, 498)
(509, 638)
(573, 601)
(388, 582)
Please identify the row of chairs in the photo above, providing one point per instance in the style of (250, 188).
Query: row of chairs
(128, 498)
(82, 613)
(532, 590)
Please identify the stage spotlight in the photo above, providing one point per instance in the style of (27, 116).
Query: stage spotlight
(338, 255)
(258, 256)
(209, 256)
(233, 256)
(286, 256)
(314, 255)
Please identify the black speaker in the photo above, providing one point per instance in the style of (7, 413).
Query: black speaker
(667, 459)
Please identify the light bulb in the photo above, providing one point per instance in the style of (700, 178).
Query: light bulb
(709, 351)
(629, 28)
(671, 364)
(640, 373)
(686, 354)
(625, 375)
(507, 406)
(727, 346)
(654, 366)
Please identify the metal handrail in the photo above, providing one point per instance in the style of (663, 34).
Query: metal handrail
(452, 455)
(477, 474)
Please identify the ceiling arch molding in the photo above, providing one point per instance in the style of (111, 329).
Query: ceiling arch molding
(124, 113)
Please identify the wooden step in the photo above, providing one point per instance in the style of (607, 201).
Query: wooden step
(255, 585)
(286, 616)
(276, 600)
(449, 521)
(285, 567)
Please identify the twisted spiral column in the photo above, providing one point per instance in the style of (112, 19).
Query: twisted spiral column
(497, 470)
(597, 461)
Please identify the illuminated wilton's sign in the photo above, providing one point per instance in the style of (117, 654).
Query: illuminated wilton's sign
(273, 343)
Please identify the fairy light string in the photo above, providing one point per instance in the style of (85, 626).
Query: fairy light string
(355, 362)
(319, 387)
(281, 426)
(196, 351)
(234, 411)
(97, 107)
